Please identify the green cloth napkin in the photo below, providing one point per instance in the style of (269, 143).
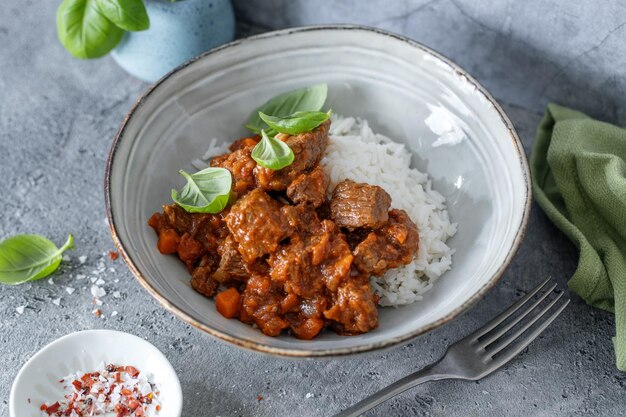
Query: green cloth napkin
(579, 179)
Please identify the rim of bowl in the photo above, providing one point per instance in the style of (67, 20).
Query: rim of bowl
(262, 347)
(81, 333)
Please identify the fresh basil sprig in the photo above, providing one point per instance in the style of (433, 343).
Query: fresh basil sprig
(272, 153)
(92, 28)
(294, 124)
(29, 257)
(206, 191)
(309, 99)
(129, 15)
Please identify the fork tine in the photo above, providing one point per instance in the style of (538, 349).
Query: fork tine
(493, 323)
(511, 338)
(516, 348)
(500, 331)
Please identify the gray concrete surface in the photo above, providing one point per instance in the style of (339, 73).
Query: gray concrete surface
(57, 119)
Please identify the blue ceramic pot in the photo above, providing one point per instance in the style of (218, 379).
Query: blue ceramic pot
(178, 31)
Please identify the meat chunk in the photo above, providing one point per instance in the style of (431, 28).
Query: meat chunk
(309, 188)
(231, 267)
(353, 307)
(190, 251)
(201, 278)
(261, 305)
(204, 227)
(249, 142)
(389, 247)
(241, 166)
(308, 149)
(177, 218)
(315, 257)
(257, 225)
(307, 318)
(356, 205)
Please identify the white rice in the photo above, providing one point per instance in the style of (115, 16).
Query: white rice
(355, 152)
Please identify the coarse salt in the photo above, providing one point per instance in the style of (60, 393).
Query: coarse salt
(82, 259)
(20, 309)
(98, 291)
(57, 301)
(70, 290)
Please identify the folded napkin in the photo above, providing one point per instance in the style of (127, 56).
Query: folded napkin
(579, 179)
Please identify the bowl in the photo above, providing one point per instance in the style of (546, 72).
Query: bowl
(456, 131)
(38, 380)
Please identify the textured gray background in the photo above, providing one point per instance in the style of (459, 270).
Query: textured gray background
(57, 119)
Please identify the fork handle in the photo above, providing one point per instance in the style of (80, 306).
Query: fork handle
(429, 373)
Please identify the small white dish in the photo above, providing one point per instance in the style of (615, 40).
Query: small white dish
(37, 381)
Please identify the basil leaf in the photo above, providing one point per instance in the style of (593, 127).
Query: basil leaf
(306, 99)
(299, 122)
(28, 257)
(272, 153)
(206, 191)
(84, 30)
(129, 15)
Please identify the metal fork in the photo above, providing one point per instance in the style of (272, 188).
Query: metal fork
(482, 352)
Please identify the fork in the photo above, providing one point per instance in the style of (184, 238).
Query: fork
(482, 352)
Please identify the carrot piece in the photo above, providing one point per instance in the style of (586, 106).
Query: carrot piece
(168, 241)
(308, 329)
(228, 303)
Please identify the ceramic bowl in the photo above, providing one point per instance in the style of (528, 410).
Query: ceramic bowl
(38, 380)
(405, 90)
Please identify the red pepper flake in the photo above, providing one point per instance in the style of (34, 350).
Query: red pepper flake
(259, 398)
(97, 312)
(53, 408)
(77, 385)
(113, 255)
(158, 407)
(132, 371)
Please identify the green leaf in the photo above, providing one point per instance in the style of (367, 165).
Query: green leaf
(299, 122)
(306, 99)
(206, 191)
(28, 257)
(272, 153)
(84, 30)
(129, 15)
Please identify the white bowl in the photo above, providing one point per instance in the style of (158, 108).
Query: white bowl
(38, 380)
(392, 81)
